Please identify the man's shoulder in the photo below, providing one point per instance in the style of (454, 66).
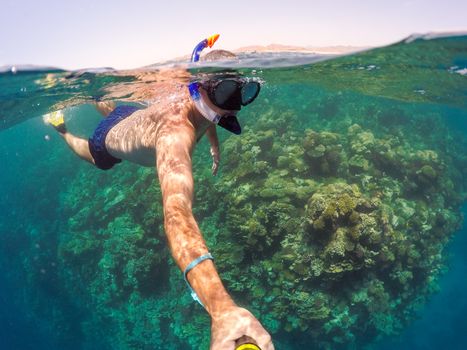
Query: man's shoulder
(170, 104)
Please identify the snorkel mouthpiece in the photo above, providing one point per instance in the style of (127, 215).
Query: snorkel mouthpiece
(201, 105)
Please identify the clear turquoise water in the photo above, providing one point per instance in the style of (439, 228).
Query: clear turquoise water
(422, 82)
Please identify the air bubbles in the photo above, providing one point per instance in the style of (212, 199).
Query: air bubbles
(368, 67)
(458, 70)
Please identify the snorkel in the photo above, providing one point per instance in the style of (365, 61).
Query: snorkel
(200, 104)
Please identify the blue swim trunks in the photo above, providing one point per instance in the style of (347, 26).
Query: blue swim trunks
(102, 158)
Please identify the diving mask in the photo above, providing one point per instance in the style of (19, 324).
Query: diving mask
(229, 93)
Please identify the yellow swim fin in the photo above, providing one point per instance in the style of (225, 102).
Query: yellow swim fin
(56, 119)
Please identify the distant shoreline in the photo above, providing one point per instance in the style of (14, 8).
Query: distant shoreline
(273, 48)
(325, 50)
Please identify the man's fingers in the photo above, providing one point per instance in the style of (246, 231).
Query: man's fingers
(266, 346)
(215, 167)
(265, 342)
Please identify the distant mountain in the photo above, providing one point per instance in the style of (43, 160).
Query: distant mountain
(339, 49)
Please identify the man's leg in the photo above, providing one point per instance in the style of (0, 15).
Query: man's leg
(78, 145)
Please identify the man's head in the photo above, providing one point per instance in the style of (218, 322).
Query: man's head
(218, 97)
(226, 95)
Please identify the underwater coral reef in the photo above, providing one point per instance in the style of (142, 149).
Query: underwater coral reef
(329, 220)
(332, 232)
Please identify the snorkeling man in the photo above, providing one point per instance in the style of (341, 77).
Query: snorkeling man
(172, 126)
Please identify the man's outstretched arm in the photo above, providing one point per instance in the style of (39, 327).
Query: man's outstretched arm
(185, 239)
(229, 322)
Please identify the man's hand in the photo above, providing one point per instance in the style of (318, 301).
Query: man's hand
(229, 326)
(215, 159)
(214, 142)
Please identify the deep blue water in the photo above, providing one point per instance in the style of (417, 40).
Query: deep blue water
(442, 323)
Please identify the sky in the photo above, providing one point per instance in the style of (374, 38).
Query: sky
(134, 33)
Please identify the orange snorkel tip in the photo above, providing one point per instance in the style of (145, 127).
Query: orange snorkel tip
(212, 39)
